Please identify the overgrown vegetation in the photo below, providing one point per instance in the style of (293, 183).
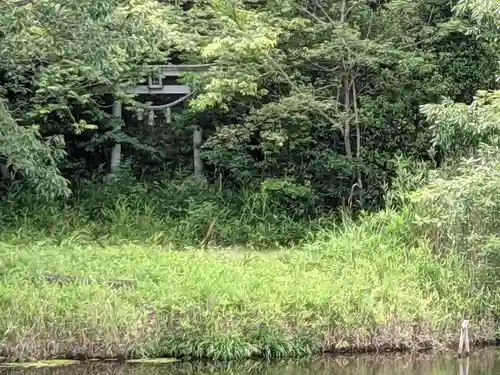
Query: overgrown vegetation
(333, 205)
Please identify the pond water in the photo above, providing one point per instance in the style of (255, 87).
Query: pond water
(485, 362)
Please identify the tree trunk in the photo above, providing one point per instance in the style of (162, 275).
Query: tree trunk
(342, 11)
(358, 132)
(347, 123)
(4, 172)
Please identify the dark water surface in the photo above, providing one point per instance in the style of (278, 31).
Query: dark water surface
(480, 363)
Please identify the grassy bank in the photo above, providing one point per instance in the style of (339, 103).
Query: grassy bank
(358, 287)
(402, 278)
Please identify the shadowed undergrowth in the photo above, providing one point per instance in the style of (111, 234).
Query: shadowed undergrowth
(173, 214)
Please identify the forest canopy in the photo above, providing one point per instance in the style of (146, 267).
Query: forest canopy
(312, 100)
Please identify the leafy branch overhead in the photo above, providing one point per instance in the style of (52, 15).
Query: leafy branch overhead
(460, 129)
(35, 158)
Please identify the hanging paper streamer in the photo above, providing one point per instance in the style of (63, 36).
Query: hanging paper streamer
(151, 118)
(168, 115)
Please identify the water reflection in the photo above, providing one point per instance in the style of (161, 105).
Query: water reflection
(480, 363)
(463, 368)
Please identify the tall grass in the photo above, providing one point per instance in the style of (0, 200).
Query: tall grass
(374, 284)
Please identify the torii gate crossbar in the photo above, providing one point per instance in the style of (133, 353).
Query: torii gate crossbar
(155, 86)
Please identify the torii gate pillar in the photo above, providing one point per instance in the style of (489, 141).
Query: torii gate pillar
(117, 148)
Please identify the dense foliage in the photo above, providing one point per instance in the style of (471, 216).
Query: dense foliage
(307, 107)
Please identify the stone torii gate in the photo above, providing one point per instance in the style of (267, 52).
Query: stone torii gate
(155, 86)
